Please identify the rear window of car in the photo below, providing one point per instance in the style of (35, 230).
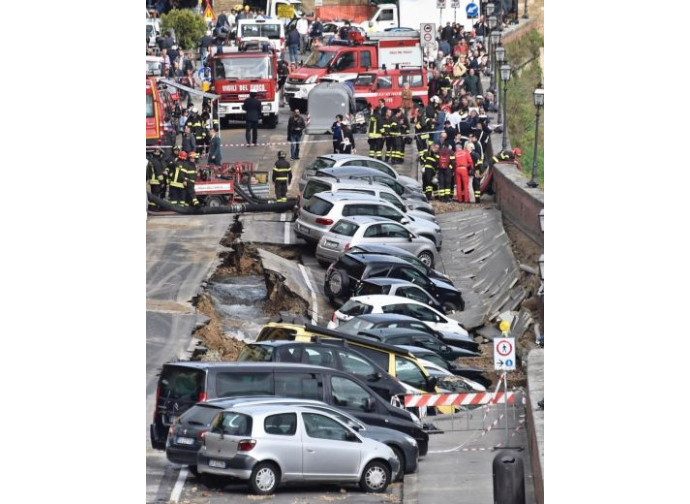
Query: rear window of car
(233, 424)
(353, 267)
(320, 163)
(181, 383)
(199, 415)
(378, 356)
(368, 289)
(344, 228)
(256, 353)
(300, 385)
(313, 187)
(317, 206)
(276, 333)
(354, 308)
(229, 384)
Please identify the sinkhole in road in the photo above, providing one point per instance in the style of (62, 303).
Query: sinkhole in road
(239, 301)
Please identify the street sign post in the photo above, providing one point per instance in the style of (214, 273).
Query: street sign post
(427, 34)
(504, 359)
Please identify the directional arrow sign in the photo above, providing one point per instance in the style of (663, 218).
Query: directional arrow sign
(504, 354)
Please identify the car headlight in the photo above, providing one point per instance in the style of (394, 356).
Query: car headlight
(311, 80)
(411, 440)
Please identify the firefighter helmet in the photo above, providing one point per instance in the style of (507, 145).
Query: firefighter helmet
(193, 155)
(517, 151)
(182, 155)
(281, 154)
(176, 149)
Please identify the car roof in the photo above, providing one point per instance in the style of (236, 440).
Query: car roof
(386, 317)
(388, 281)
(263, 409)
(338, 157)
(364, 219)
(359, 339)
(390, 332)
(236, 364)
(348, 182)
(376, 258)
(350, 196)
(419, 350)
(383, 250)
(385, 300)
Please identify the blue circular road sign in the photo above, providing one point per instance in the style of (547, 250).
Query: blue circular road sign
(472, 10)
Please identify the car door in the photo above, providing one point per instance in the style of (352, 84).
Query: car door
(282, 432)
(412, 292)
(364, 371)
(390, 213)
(413, 275)
(329, 449)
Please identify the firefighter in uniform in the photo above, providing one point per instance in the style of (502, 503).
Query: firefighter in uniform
(477, 175)
(156, 174)
(430, 166)
(190, 180)
(399, 140)
(196, 124)
(422, 127)
(388, 139)
(446, 167)
(282, 176)
(176, 180)
(375, 136)
(508, 156)
(395, 140)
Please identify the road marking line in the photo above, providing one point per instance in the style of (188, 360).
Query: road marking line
(315, 312)
(179, 484)
(286, 229)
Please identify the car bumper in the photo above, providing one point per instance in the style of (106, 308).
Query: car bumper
(326, 254)
(239, 466)
(308, 232)
(297, 92)
(179, 455)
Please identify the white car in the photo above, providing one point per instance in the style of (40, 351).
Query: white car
(381, 303)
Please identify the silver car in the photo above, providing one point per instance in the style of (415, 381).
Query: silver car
(317, 216)
(414, 207)
(267, 445)
(372, 230)
(334, 160)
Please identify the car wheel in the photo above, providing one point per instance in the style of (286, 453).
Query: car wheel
(214, 201)
(213, 480)
(427, 258)
(449, 307)
(401, 460)
(376, 477)
(264, 479)
(338, 283)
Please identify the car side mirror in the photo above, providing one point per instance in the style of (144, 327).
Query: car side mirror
(404, 221)
(431, 382)
(370, 404)
(351, 436)
(353, 426)
(376, 376)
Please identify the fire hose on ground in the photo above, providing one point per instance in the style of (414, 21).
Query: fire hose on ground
(284, 206)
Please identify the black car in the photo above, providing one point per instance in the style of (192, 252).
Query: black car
(182, 384)
(332, 355)
(184, 439)
(344, 276)
(402, 254)
(379, 320)
(472, 373)
(407, 336)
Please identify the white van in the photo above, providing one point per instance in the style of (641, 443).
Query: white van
(260, 28)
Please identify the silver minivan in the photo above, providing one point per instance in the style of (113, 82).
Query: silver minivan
(267, 445)
(416, 207)
(321, 211)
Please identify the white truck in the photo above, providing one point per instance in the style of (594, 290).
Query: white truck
(411, 13)
(284, 10)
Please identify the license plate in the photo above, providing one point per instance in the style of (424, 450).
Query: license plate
(185, 440)
(305, 230)
(243, 96)
(332, 245)
(216, 463)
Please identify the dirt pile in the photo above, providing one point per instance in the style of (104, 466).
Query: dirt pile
(220, 347)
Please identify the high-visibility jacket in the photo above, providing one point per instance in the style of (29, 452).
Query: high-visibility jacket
(431, 160)
(155, 171)
(464, 158)
(178, 175)
(282, 171)
(504, 155)
(189, 170)
(373, 130)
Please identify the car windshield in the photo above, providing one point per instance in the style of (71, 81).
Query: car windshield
(181, 383)
(243, 68)
(320, 59)
(318, 206)
(340, 416)
(354, 308)
(313, 187)
(271, 31)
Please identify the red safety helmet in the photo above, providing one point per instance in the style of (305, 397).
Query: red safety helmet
(193, 155)
(182, 155)
(517, 151)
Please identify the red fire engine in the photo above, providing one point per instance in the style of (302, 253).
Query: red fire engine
(236, 71)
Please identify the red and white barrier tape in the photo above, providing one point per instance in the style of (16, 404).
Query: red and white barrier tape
(462, 448)
(414, 401)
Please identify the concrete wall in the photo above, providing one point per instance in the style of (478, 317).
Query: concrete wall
(520, 204)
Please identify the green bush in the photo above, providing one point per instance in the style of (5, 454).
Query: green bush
(189, 27)
(520, 104)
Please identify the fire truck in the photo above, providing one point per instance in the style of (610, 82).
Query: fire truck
(236, 71)
(159, 128)
(354, 55)
(371, 86)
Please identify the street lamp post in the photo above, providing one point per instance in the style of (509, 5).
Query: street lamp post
(524, 11)
(491, 20)
(500, 55)
(538, 103)
(505, 77)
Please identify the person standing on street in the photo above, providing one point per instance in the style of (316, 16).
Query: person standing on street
(190, 180)
(156, 173)
(176, 180)
(430, 166)
(214, 155)
(302, 26)
(337, 129)
(293, 39)
(295, 130)
(375, 136)
(348, 143)
(252, 107)
(204, 45)
(188, 140)
(281, 176)
(283, 72)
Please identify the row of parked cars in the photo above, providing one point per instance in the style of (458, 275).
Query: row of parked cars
(311, 403)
